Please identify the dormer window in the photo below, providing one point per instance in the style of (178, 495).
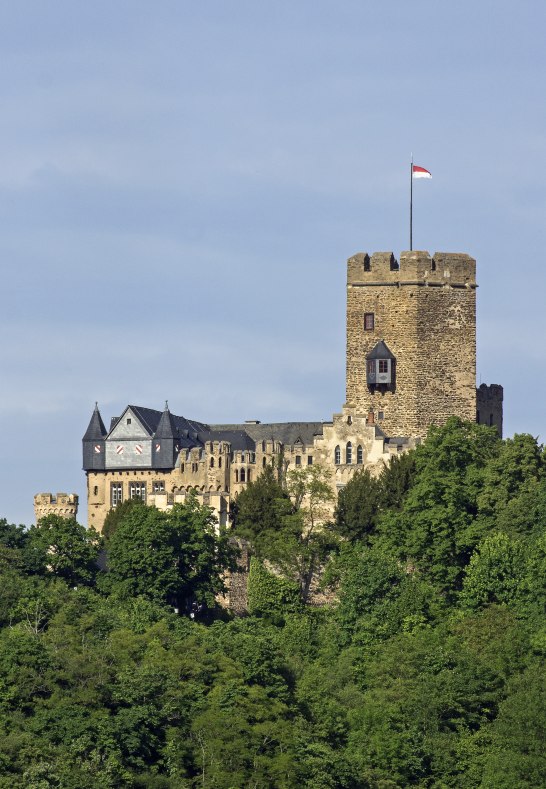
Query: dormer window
(380, 368)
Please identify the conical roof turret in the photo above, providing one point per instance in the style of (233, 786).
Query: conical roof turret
(166, 427)
(96, 429)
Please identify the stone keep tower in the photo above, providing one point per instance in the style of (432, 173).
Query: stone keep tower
(411, 339)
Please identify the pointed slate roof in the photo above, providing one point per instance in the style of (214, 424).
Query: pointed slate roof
(380, 351)
(96, 429)
(166, 427)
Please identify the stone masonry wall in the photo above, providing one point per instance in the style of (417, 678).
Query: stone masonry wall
(425, 311)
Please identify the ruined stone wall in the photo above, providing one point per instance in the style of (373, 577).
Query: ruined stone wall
(425, 310)
(63, 504)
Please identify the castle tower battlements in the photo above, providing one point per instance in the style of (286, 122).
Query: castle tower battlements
(411, 338)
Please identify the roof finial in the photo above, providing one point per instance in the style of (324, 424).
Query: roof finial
(96, 405)
(166, 405)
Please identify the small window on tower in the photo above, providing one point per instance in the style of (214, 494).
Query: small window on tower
(369, 321)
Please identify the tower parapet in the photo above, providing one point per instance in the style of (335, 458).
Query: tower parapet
(413, 268)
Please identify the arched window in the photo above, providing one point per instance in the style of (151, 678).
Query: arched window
(264, 462)
(263, 446)
(248, 476)
(212, 463)
(219, 462)
(359, 455)
(242, 457)
(337, 456)
(243, 475)
(236, 475)
(349, 453)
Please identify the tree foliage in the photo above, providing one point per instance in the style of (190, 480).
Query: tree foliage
(171, 557)
(426, 669)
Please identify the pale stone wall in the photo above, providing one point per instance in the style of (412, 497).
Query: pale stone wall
(425, 311)
(63, 504)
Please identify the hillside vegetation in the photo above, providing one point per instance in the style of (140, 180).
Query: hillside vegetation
(428, 670)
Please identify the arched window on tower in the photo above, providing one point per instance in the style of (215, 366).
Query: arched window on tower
(243, 475)
(349, 453)
(212, 463)
(236, 475)
(337, 456)
(359, 455)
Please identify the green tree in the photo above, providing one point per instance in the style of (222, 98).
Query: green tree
(358, 506)
(259, 510)
(115, 515)
(64, 548)
(496, 572)
(176, 556)
(436, 529)
(289, 526)
(306, 538)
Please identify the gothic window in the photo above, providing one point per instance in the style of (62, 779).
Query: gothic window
(243, 475)
(264, 462)
(337, 456)
(263, 446)
(137, 490)
(359, 455)
(236, 475)
(369, 321)
(219, 462)
(248, 475)
(349, 453)
(211, 463)
(242, 457)
(116, 493)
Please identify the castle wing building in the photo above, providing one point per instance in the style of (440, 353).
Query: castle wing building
(410, 363)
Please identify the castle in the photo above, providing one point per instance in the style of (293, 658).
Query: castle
(411, 363)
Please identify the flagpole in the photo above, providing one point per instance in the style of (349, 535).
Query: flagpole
(411, 206)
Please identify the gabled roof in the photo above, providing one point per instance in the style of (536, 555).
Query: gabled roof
(96, 429)
(380, 351)
(285, 432)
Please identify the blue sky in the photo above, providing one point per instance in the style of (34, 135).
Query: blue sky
(181, 184)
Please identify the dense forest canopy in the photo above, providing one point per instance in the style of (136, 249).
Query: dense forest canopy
(425, 669)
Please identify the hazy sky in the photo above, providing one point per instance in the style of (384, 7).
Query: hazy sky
(181, 185)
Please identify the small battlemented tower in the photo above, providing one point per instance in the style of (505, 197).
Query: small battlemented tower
(411, 339)
(63, 504)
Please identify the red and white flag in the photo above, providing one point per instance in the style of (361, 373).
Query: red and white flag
(420, 172)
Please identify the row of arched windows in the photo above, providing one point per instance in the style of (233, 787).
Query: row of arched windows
(349, 454)
(243, 475)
